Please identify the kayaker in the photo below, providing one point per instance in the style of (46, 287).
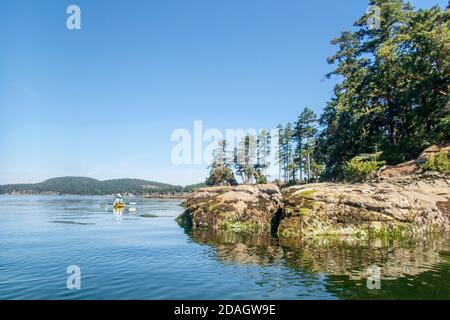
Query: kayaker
(118, 199)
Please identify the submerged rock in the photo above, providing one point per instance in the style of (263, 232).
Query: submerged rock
(237, 208)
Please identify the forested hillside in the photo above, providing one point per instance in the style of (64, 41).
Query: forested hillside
(89, 186)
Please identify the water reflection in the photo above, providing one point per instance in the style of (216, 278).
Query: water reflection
(396, 258)
(119, 213)
(241, 248)
(404, 264)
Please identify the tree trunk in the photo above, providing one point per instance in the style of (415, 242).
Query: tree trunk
(309, 168)
(393, 134)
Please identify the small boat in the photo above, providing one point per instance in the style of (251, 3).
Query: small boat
(119, 205)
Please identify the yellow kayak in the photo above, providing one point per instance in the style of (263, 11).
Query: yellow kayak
(119, 205)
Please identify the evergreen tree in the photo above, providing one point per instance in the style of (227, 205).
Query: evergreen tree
(395, 86)
(263, 152)
(305, 133)
(220, 170)
(244, 158)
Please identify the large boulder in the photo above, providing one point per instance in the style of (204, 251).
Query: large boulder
(237, 208)
(365, 210)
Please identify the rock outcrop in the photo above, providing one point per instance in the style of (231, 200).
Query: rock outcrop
(413, 167)
(403, 202)
(364, 210)
(324, 209)
(239, 208)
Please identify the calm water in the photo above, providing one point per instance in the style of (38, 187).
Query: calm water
(146, 255)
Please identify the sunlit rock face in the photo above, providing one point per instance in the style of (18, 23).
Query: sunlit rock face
(394, 209)
(365, 210)
(402, 201)
(400, 204)
(412, 169)
(238, 208)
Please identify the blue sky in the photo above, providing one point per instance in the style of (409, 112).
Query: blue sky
(103, 101)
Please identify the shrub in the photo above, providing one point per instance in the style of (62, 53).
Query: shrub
(221, 175)
(359, 169)
(439, 162)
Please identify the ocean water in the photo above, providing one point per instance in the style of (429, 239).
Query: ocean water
(146, 255)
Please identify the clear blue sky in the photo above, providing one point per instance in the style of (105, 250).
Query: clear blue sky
(103, 101)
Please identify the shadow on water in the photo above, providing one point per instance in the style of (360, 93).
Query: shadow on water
(409, 269)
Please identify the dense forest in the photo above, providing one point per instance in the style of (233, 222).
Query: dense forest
(89, 186)
(391, 102)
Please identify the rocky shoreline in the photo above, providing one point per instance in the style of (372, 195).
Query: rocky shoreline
(323, 209)
(396, 207)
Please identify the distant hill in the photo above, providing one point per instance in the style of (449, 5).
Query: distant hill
(90, 186)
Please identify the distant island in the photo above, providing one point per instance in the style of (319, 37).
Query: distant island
(90, 186)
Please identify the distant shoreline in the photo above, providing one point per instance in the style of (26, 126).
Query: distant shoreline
(90, 186)
(176, 196)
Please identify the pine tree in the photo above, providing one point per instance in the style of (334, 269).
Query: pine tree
(263, 153)
(394, 89)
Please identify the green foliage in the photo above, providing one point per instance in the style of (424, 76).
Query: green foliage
(220, 171)
(395, 87)
(296, 149)
(260, 177)
(250, 160)
(392, 96)
(244, 158)
(305, 138)
(360, 169)
(221, 175)
(439, 162)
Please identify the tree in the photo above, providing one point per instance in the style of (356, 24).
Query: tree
(244, 158)
(279, 151)
(263, 147)
(286, 153)
(392, 96)
(394, 89)
(305, 133)
(220, 170)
